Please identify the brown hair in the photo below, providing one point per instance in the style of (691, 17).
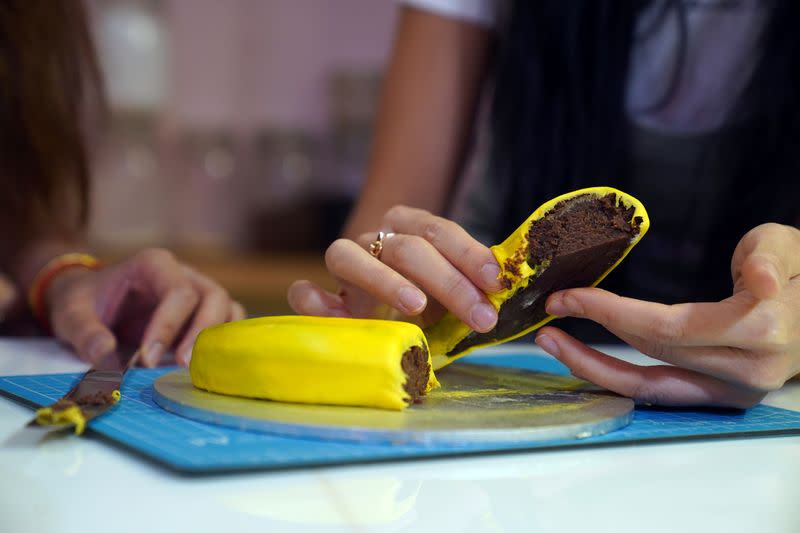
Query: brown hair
(48, 75)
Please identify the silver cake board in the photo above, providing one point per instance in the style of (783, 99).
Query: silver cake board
(476, 404)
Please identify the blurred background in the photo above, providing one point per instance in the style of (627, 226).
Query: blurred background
(238, 134)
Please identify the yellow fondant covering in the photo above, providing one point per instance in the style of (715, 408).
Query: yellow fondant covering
(337, 361)
(449, 331)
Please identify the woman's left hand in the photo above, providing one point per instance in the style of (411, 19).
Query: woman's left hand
(729, 353)
(150, 300)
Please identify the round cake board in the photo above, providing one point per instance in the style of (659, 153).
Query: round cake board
(476, 404)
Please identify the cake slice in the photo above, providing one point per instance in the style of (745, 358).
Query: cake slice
(574, 240)
(334, 361)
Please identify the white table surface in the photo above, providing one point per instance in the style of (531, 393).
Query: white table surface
(87, 484)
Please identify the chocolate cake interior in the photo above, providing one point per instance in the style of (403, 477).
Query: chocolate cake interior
(575, 243)
(415, 365)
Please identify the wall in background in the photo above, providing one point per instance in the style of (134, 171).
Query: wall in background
(251, 62)
(230, 115)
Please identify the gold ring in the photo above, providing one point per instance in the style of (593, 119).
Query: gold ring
(376, 246)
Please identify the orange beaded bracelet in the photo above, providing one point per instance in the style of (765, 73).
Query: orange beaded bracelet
(38, 290)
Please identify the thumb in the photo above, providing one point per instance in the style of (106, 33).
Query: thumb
(766, 258)
(306, 298)
(76, 322)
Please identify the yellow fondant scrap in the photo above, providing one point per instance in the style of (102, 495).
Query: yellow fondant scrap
(449, 331)
(337, 361)
(69, 416)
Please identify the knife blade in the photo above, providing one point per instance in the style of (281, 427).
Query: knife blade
(96, 392)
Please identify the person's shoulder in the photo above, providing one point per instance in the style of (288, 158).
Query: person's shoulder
(482, 12)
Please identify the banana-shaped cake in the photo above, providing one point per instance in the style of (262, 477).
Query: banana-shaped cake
(573, 240)
(335, 361)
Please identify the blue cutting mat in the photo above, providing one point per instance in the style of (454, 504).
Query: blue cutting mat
(190, 446)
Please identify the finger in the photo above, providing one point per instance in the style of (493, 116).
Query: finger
(760, 275)
(691, 324)
(306, 298)
(352, 264)
(169, 318)
(418, 260)
(468, 255)
(658, 385)
(77, 323)
(752, 369)
(238, 312)
(158, 272)
(765, 259)
(213, 308)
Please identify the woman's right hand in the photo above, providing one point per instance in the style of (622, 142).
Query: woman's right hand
(429, 265)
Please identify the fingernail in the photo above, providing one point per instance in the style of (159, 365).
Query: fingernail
(153, 353)
(489, 273)
(411, 300)
(555, 306)
(548, 345)
(186, 356)
(483, 317)
(101, 345)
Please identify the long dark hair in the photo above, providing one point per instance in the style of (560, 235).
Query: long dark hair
(559, 119)
(48, 74)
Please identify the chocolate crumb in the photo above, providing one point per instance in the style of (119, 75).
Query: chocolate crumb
(511, 266)
(415, 365)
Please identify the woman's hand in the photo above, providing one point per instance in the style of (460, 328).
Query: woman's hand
(430, 264)
(150, 299)
(729, 353)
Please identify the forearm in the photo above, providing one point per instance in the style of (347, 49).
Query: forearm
(428, 104)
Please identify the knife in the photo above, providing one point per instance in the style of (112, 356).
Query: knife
(96, 392)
